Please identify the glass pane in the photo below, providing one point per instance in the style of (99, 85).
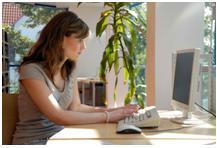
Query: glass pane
(140, 53)
(204, 90)
(208, 64)
(28, 21)
(14, 75)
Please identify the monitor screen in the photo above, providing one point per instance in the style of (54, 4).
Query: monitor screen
(182, 77)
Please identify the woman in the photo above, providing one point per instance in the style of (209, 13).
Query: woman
(49, 97)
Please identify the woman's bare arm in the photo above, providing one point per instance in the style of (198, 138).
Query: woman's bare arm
(47, 104)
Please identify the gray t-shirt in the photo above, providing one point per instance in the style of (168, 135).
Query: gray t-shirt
(33, 125)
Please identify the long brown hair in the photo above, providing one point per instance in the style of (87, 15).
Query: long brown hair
(48, 48)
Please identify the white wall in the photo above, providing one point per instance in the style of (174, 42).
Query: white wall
(89, 61)
(178, 26)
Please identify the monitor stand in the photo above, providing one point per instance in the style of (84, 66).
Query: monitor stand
(187, 119)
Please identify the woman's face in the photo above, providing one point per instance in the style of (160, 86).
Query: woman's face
(73, 47)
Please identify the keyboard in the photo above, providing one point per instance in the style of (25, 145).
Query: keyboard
(145, 118)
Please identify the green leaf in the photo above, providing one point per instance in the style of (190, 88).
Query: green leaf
(126, 75)
(115, 89)
(131, 13)
(135, 23)
(121, 4)
(102, 74)
(111, 4)
(133, 37)
(102, 69)
(115, 43)
(79, 3)
(106, 13)
(111, 60)
(120, 28)
(140, 101)
(127, 99)
(129, 45)
(129, 60)
(132, 86)
(105, 59)
(110, 51)
(101, 25)
(116, 56)
(116, 63)
(131, 70)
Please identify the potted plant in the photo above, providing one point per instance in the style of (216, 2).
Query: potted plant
(121, 44)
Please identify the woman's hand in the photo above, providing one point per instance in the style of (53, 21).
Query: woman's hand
(131, 106)
(122, 112)
(128, 106)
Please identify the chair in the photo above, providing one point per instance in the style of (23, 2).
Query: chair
(9, 117)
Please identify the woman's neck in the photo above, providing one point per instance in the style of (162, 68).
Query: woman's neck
(58, 78)
(58, 71)
(61, 64)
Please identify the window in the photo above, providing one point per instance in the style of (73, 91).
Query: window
(5, 62)
(140, 58)
(23, 23)
(209, 58)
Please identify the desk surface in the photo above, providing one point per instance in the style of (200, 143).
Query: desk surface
(168, 132)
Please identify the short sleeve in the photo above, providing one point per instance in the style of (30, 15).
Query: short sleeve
(31, 71)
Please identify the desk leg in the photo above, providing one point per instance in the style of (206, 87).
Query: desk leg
(83, 92)
(94, 95)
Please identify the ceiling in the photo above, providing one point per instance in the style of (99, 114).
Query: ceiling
(66, 4)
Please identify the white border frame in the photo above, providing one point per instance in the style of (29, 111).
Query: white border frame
(194, 88)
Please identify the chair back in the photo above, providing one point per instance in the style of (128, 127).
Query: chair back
(9, 117)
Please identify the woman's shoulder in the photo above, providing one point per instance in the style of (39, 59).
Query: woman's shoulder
(31, 66)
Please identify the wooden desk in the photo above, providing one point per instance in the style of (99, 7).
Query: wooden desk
(106, 134)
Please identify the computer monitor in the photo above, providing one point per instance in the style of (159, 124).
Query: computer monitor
(186, 83)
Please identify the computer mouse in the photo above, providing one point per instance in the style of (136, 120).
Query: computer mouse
(128, 129)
